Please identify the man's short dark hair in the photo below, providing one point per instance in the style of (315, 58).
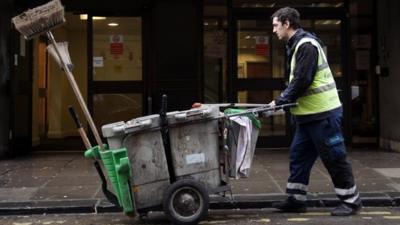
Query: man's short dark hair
(288, 14)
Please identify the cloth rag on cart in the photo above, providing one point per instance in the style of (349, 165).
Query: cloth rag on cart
(242, 138)
(244, 152)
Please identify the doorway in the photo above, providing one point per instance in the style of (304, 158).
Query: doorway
(52, 126)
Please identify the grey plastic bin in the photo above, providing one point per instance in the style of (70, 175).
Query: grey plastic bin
(194, 145)
(142, 138)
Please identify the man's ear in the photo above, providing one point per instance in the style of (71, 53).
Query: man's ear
(286, 24)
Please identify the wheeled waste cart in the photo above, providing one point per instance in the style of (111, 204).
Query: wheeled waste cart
(178, 159)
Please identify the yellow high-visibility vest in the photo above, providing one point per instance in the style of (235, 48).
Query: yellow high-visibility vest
(322, 94)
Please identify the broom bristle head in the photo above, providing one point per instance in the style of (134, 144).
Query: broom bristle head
(40, 19)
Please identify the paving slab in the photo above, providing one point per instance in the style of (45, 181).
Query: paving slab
(17, 194)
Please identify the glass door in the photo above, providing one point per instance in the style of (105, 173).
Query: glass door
(260, 75)
(116, 84)
(259, 67)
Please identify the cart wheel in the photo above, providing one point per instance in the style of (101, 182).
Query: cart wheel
(186, 202)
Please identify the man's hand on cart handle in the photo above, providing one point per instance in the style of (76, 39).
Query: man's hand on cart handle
(269, 113)
(272, 104)
(277, 109)
(196, 105)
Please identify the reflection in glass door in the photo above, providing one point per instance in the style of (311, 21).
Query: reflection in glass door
(260, 76)
(117, 79)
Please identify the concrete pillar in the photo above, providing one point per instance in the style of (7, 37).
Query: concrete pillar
(5, 26)
(389, 54)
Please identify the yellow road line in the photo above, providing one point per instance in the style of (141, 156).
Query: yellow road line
(392, 217)
(54, 222)
(367, 218)
(298, 219)
(376, 213)
(264, 220)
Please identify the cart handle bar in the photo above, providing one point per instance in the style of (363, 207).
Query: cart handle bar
(262, 109)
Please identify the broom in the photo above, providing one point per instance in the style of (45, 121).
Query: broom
(41, 20)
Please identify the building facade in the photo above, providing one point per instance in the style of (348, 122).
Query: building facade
(126, 54)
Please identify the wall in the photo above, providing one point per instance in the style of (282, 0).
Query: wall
(5, 10)
(389, 91)
(175, 49)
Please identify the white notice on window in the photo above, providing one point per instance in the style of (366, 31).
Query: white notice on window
(195, 158)
(98, 61)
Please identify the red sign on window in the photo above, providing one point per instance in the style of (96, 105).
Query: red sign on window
(262, 45)
(116, 45)
(116, 48)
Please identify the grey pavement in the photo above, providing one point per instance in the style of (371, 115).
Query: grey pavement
(67, 182)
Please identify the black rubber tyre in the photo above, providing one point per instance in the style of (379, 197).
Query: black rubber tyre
(186, 202)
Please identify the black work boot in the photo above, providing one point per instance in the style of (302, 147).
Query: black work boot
(291, 205)
(346, 210)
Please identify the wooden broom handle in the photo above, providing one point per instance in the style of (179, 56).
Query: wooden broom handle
(78, 125)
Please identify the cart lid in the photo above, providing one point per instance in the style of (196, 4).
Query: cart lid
(134, 125)
(204, 112)
(108, 129)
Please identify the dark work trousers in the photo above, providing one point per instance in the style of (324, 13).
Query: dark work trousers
(321, 138)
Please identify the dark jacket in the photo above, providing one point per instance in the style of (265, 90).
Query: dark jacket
(303, 76)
